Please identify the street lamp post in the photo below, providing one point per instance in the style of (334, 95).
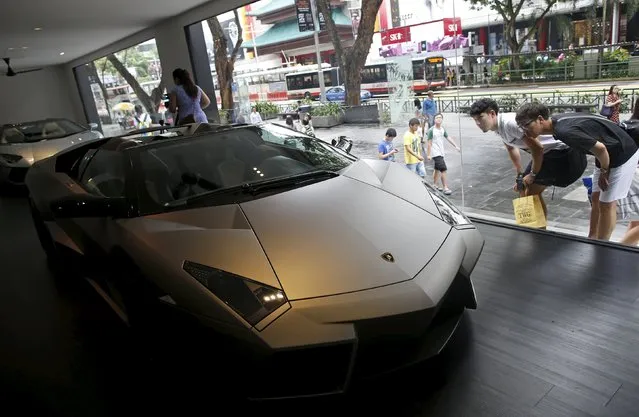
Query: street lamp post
(320, 73)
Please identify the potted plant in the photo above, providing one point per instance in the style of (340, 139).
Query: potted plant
(366, 113)
(267, 109)
(327, 115)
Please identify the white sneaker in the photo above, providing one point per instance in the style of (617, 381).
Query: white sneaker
(447, 191)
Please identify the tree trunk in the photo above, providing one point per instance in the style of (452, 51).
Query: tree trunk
(144, 98)
(224, 65)
(352, 83)
(353, 59)
(93, 71)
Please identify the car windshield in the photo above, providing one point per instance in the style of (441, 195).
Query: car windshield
(213, 165)
(39, 130)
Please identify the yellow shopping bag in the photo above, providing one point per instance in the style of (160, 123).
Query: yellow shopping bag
(528, 212)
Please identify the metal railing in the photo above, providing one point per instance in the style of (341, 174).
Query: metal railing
(596, 62)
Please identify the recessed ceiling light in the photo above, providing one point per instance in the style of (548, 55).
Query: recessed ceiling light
(25, 47)
(11, 49)
(38, 29)
(61, 53)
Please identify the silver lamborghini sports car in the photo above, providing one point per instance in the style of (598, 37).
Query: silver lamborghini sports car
(23, 144)
(328, 266)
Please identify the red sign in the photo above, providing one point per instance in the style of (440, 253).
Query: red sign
(397, 35)
(452, 26)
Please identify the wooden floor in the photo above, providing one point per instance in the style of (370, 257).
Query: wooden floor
(556, 334)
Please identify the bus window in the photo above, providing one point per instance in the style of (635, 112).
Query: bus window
(374, 74)
(418, 70)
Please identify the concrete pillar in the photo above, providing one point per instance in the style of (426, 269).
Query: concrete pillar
(86, 95)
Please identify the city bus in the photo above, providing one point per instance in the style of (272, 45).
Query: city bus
(429, 73)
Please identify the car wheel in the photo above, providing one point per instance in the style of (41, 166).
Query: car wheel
(307, 95)
(45, 238)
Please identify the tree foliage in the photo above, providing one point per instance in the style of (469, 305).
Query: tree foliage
(510, 10)
(352, 59)
(117, 65)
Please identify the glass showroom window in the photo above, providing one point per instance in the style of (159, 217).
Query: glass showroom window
(124, 80)
(483, 175)
(256, 78)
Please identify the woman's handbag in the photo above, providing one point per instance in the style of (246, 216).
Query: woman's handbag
(606, 110)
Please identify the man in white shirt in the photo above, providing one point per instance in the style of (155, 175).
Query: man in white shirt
(553, 162)
(255, 117)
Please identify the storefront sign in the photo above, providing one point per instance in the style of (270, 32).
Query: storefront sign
(304, 15)
(397, 35)
(321, 20)
(452, 26)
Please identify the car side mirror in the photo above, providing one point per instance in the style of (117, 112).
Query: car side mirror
(343, 143)
(88, 205)
(93, 126)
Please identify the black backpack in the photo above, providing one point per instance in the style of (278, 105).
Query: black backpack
(632, 128)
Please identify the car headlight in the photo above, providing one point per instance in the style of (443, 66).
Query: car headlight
(251, 300)
(450, 214)
(10, 158)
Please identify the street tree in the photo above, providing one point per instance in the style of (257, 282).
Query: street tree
(351, 59)
(93, 73)
(225, 63)
(144, 98)
(510, 10)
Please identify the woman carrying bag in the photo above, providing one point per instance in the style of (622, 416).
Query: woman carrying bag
(612, 106)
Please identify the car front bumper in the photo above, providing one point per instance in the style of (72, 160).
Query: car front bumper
(318, 346)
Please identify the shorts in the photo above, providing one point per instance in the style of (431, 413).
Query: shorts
(417, 168)
(440, 164)
(619, 180)
(560, 167)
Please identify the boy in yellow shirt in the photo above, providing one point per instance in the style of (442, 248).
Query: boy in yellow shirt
(412, 149)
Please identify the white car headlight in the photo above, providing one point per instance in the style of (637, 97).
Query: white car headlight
(450, 214)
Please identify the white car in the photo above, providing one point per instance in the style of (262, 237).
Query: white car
(327, 266)
(23, 144)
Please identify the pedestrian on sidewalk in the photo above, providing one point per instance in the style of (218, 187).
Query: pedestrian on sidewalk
(616, 153)
(412, 148)
(553, 162)
(429, 108)
(435, 151)
(385, 150)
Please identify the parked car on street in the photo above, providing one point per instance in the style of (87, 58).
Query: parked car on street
(339, 94)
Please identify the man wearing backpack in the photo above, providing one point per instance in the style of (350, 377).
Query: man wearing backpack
(615, 151)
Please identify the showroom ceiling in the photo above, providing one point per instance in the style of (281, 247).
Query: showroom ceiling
(73, 28)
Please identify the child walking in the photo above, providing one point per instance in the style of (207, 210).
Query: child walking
(435, 151)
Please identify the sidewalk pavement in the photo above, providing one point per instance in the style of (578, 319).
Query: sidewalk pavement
(482, 185)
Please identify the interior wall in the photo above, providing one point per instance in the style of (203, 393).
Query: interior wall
(170, 39)
(37, 95)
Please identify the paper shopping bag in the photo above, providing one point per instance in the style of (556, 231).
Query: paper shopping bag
(528, 212)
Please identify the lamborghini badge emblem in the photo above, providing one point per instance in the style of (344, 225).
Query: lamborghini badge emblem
(388, 257)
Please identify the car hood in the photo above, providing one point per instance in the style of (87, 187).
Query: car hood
(322, 239)
(331, 237)
(37, 151)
